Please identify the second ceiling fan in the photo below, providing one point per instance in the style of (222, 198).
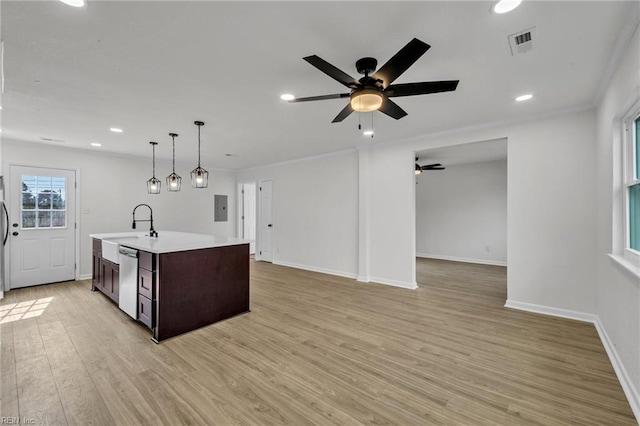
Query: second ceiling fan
(372, 92)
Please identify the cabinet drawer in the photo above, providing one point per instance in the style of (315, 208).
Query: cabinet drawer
(147, 260)
(147, 283)
(146, 311)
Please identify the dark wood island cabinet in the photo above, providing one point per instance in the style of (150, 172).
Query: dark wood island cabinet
(181, 290)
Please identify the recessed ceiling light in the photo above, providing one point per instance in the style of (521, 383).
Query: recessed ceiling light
(504, 6)
(287, 97)
(368, 133)
(524, 97)
(96, 144)
(74, 3)
(115, 130)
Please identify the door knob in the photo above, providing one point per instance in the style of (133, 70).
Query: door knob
(14, 233)
(269, 225)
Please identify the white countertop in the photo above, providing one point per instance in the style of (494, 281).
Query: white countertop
(168, 241)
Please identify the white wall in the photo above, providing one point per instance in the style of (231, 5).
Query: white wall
(315, 212)
(618, 291)
(551, 208)
(111, 186)
(462, 210)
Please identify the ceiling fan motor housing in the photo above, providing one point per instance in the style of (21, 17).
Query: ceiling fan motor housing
(366, 66)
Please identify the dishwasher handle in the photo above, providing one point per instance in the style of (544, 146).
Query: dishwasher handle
(129, 252)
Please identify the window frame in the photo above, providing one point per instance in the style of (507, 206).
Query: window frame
(630, 173)
(36, 193)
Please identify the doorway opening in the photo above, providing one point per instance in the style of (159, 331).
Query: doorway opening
(461, 212)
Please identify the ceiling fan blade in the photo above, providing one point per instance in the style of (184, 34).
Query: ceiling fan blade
(426, 166)
(424, 88)
(333, 72)
(432, 167)
(320, 98)
(392, 109)
(346, 111)
(401, 61)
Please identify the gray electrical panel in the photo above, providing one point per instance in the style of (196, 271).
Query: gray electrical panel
(220, 208)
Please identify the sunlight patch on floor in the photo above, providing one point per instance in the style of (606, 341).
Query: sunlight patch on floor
(29, 309)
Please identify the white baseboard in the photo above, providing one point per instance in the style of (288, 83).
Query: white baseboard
(548, 310)
(462, 259)
(394, 283)
(315, 269)
(628, 387)
(83, 277)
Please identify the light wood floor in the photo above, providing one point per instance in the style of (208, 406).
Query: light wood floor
(315, 350)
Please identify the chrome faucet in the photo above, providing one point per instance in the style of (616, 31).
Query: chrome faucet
(152, 232)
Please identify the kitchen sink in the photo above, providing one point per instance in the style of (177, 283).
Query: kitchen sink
(111, 245)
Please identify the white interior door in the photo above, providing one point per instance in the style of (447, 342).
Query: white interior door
(265, 250)
(249, 215)
(42, 226)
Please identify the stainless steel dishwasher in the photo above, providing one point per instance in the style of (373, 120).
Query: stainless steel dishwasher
(128, 286)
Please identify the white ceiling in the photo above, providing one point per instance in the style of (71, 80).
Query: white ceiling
(154, 67)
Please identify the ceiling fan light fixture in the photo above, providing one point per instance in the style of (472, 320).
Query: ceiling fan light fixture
(418, 170)
(366, 100)
(504, 6)
(287, 97)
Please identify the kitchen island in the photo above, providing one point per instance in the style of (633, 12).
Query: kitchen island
(184, 281)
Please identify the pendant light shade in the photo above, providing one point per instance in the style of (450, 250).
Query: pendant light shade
(199, 176)
(153, 184)
(174, 180)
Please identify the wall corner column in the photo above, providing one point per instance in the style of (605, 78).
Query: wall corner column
(364, 209)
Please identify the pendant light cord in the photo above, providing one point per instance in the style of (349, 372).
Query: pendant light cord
(154, 161)
(173, 138)
(199, 145)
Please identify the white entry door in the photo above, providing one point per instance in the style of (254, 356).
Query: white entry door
(42, 226)
(265, 252)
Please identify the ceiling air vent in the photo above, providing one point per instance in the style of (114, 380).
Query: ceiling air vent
(522, 42)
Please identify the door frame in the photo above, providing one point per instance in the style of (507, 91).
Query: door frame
(8, 193)
(240, 210)
(259, 220)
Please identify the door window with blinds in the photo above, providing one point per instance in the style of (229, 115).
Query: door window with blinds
(43, 202)
(632, 181)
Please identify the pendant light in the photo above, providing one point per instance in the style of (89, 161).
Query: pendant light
(153, 184)
(174, 180)
(199, 176)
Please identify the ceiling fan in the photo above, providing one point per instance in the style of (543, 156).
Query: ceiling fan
(374, 90)
(435, 166)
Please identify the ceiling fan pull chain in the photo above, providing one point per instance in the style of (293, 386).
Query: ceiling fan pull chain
(359, 121)
(372, 132)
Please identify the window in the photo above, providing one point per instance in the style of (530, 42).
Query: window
(43, 202)
(632, 181)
